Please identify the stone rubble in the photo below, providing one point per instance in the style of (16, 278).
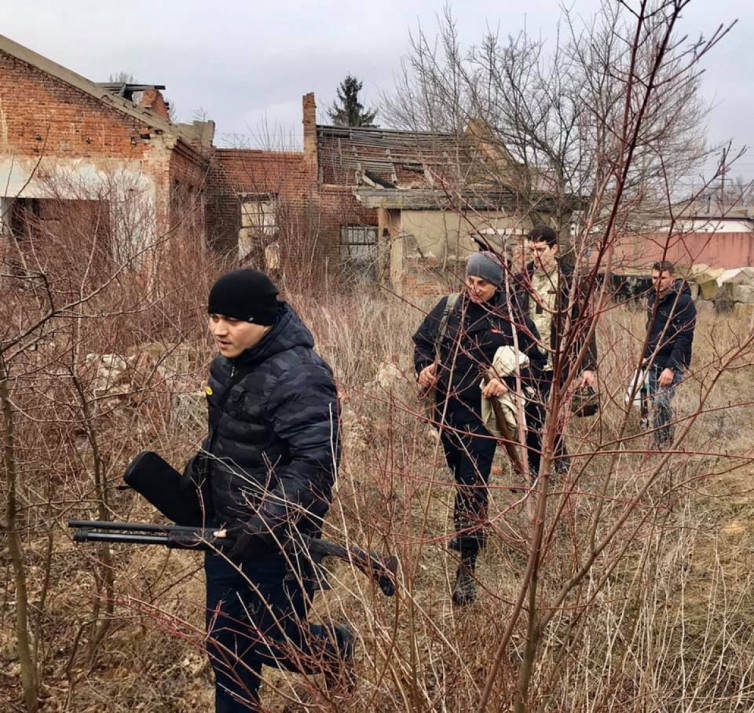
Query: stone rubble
(719, 290)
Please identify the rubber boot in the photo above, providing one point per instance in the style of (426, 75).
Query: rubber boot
(465, 589)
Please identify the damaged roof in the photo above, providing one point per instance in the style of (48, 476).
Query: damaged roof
(187, 132)
(395, 159)
(407, 159)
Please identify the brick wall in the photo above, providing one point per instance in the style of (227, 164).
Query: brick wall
(86, 144)
(41, 114)
(189, 175)
(236, 172)
(424, 278)
(310, 216)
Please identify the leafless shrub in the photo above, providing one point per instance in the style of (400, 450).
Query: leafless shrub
(623, 586)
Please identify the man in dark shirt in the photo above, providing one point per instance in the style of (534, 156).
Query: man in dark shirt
(671, 318)
(454, 346)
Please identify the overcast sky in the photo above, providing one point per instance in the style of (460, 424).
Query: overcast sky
(246, 64)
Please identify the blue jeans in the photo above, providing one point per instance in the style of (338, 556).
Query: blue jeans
(662, 411)
(258, 617)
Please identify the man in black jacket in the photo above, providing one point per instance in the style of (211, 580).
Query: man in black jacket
(671, 318)
(268, 463)
(561, 328)
(454, 346)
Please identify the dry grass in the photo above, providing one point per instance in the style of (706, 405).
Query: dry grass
(660, 623)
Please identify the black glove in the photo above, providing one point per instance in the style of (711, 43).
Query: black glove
(262, 534)
(248, 541)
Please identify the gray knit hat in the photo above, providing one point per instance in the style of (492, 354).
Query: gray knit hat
(486, 265)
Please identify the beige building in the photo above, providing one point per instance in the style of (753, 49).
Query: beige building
(432, 199)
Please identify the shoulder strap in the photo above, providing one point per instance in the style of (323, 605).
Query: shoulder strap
(450, 305)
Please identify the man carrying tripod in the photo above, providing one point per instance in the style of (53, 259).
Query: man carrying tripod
(267, 469)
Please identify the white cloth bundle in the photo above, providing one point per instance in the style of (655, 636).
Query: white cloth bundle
(507, 359)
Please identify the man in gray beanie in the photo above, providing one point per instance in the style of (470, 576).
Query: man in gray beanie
(453, 348)
(486, 265)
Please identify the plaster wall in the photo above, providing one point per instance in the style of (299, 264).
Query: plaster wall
(131, 193)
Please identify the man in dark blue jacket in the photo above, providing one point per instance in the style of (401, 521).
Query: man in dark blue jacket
(671, 318)
(269, 464)
(454, 346)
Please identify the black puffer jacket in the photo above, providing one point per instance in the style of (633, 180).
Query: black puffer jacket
(671, 328)
(276, 438)
(473, 333)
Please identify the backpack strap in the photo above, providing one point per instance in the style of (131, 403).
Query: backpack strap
(450, 304)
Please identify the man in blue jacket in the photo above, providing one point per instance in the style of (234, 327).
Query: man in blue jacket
(453, 347)
(671, 318)
(268, 464)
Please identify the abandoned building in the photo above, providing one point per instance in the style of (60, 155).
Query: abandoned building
(400, 207)
(377, 203)
(69, 145)
(272, 199)
(404, 208)
(434, 198)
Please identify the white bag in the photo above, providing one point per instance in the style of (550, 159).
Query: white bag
(507, 359)
(637, 384)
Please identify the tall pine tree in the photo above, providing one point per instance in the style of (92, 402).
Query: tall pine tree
(348, 110)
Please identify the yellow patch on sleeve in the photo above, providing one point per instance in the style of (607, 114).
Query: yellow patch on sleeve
(209, 391)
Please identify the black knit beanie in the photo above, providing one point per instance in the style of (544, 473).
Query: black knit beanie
(246, 294)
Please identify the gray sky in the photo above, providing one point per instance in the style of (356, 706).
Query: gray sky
(246, 64)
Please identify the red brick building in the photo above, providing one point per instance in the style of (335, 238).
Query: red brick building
(68, 142)
(110, 154)
(264, 198)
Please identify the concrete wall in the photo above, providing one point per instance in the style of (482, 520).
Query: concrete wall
(716, 250)
(446, 234)
(130, 193)
(430, 255)
(709, 225)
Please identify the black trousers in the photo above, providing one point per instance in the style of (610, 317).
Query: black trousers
(469, 451)
(536, 413)
(257, 617)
